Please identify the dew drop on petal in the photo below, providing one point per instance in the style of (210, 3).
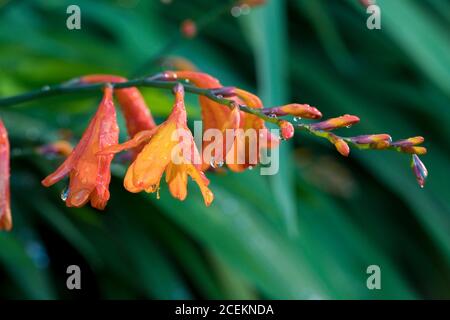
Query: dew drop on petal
(65, 193)
(212, 162)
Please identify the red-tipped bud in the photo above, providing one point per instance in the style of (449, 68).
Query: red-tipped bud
(189, 28)
(409, 142)
(287, 129)
(342, 147)
(334, 123)
(419, 169)
(296, 110)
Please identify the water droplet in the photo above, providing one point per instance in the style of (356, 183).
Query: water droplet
(272, 115)
(220, 96)
(212, 162)
(45, 88)
(421, 186)
(65, 193)
(348, 126)
(245, 9)
(250, 167)
(296, 119)
(187, 80)
(157, 193)
(219, 164)
(236, 11)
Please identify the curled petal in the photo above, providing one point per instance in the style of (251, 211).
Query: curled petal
(136, 141)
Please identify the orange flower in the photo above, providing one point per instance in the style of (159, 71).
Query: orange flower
(137, 115)
(172, 150)
(214, 115)
(88, 172)
(5, 209)
(244, 147)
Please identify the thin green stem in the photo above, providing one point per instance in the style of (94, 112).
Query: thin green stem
(153, 82)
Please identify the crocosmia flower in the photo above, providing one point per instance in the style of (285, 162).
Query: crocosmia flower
(89, 173)
(245, 153)
(171, 149)
(136, 113)
(5, 210)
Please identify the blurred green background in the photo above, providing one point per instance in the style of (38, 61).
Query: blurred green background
(308, 232)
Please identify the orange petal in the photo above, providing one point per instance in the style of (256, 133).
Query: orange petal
(176, 178)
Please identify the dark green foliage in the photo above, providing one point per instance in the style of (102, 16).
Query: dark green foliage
(308, 232)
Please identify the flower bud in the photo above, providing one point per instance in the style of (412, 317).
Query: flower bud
(379, 145)
(371, 138)
(334, 123)
(189, 28)
(419, 169)
(287, 129)
(296, 110)
(414, 150)
(342, 147)
(409, 142)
